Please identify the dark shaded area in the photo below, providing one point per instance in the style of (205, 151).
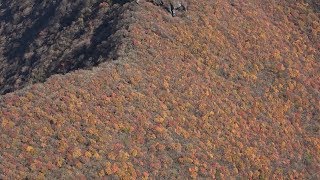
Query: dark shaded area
(315, 5)
(121, 2)
(7, 14)
(100, 47)
(67, 20)
(43, 38)
(17, 48)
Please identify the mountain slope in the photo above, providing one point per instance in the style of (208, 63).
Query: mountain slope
(226, 89)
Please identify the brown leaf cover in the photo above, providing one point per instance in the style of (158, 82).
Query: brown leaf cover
(224, 90)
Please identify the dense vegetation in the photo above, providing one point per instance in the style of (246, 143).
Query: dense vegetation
(227, 89)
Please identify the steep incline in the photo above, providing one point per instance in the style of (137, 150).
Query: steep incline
(228, 89)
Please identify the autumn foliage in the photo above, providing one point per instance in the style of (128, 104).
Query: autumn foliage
(225, 90)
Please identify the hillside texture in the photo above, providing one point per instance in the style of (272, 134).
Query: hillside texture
(228, 89)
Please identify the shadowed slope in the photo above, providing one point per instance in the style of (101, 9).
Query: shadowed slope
(40, 39)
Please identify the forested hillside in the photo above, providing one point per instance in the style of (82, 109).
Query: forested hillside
(227, 89)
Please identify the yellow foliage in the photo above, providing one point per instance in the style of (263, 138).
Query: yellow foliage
(7, 123)
(88, 154)
(123, 156)
(159, 119)
(134, 152)
(184, 160)
(29, 149)
(108, 168)
(111, 156)
(97, 156)
(76, 153)
(60, 161)
(277, 54)
(102, 173)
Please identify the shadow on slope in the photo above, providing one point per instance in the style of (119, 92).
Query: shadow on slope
(55, 38)
(18, 47)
